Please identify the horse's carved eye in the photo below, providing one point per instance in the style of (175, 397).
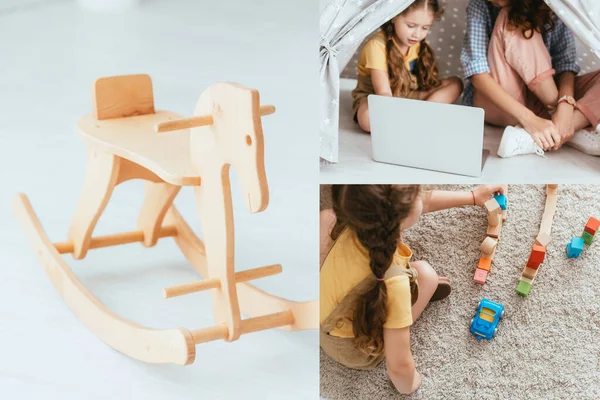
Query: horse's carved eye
(248, 140)
(217, 109)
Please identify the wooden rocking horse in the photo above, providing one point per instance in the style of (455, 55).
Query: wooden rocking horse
(125, 141)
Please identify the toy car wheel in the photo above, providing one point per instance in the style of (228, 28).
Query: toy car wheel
(472, 319)
(502, 314)
(495, 331)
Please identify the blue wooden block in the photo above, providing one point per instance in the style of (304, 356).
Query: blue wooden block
(575, 248)
(501, 199)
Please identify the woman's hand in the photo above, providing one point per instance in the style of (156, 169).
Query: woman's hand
(484, 192)
(543, 131)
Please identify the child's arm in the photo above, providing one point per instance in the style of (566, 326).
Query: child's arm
(538, 128)
(327, 221)
(564, 62)
(381, 82)
(399, 360)
(563, 118)
(440, 200)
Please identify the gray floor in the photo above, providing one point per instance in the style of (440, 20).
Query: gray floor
(357, 166)
(51, 53)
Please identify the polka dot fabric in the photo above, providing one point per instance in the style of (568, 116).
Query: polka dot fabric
(446, 40)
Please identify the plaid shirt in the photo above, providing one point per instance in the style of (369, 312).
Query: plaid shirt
(481, 17)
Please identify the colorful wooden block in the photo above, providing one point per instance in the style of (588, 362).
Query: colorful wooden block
(492, 206)
(501, 199)
(494, 231)
(484, 264)
(494, 219)
(488, 246)
(480, 276)
(587, 238)
(592, 226)
(575, 248)
(523, 288)
(489, 256)
(543, 238)
(538, 253)
(529, 272)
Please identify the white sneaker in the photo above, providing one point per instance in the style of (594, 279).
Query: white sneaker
(515, 141)
(586, 141)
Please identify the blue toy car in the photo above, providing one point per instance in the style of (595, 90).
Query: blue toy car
(485, 322)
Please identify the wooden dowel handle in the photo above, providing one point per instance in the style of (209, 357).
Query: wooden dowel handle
(267, 110)
(249, 325)
(214, 283)
(267, 322)
(185, 123)
(256, 273)
(187, 288)
(116, 239)
(201, 120)
(209, 334)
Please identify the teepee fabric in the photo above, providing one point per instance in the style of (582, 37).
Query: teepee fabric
(346, 24)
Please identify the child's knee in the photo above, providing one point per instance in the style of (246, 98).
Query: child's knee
(424, 270)
(363, 118)
(453, 86)
(456, 84)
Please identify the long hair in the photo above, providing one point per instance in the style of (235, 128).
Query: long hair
(531, 16)
(427, 69)
(374, 213)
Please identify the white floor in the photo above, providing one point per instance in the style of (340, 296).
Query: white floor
(51, 53)
(356, 165)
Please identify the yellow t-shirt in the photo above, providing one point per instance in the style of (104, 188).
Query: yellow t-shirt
(374, 56)
(345, 266)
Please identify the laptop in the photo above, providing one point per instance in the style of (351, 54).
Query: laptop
(427, 135)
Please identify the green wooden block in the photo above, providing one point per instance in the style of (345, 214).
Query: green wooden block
(523, 288)
(587, 238)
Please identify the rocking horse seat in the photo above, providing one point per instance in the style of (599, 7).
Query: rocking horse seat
(133, 138)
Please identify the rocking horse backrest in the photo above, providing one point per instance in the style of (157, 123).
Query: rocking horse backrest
(122, 96)
(234, 138)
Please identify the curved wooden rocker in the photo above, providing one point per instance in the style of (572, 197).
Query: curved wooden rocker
(126, 141)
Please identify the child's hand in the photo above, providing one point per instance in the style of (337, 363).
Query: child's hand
(416, 382)
(484, 192)
(543, 132)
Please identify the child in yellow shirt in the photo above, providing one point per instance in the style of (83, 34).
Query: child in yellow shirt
(398, 62)
(370, 290)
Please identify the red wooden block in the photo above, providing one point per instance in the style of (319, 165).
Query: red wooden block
(537, 255)
(533, 265)
(592, 226)
(480, 276)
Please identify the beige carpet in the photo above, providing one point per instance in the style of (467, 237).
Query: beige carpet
(547, 345)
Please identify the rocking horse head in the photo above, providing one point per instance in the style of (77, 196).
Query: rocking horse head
(227, 131)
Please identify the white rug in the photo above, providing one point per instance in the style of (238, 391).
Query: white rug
(547, 345)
